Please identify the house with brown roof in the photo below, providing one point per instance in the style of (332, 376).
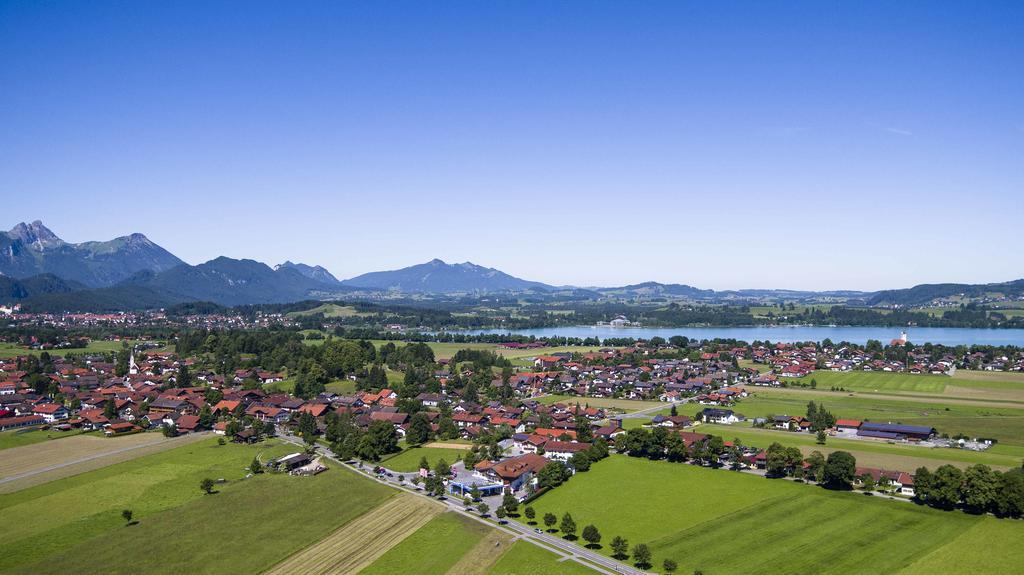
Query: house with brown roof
(514, 472)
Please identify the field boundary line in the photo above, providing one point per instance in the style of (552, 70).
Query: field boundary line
(363, 540)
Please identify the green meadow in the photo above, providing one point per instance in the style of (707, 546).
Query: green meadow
(527, 559)
(1005, 424)
(721, 521)
(20, 437)
(8, 350)
(878, 381)
(408, 460)
(433, 548)
(61, 523)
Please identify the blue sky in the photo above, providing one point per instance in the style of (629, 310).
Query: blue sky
(817, 145)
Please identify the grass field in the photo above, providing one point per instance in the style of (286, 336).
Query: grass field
(99, 346)
(869, 453)
(20, 437)
(434, 548)
(695, 515)
(329, 310)
(878, 381)
(361, 542)
(50, 527)
(408, 460)
(42, 458)
(976, 420)
(527, 559)
(625, 405)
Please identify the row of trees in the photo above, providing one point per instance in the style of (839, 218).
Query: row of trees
(978, 489)
(641, 552)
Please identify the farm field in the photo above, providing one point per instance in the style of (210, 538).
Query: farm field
(966, 384)
(52, 526)
(524, 558)
(329, 310)
(8, 350)
(362, 541)
(41, 462)
(868, 453)
(434, 548)
(20, 437)
(877, 381)
(408, 460)
(698, 531)
(975, 420)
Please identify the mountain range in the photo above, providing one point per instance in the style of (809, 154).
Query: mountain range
(32, 249)
(437, 276)
(46, 273)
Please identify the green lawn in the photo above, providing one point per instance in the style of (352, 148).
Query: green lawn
(409, 459)
(57, 524)
(527, 559)
(433, 548)
(727, 522)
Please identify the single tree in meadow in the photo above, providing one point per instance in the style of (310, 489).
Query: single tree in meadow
(206, 485)
(821, 437)
(669, 566)
(530, 515)
(127, 516)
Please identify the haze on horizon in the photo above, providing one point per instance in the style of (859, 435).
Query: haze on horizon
(815, 146)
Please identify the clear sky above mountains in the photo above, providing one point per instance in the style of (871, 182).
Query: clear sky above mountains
(820, 145)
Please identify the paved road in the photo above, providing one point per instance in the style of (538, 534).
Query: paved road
(567, 550)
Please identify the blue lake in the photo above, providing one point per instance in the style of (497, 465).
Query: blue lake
(860, 335)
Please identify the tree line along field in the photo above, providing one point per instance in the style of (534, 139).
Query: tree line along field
(721, 521)
(50, 526)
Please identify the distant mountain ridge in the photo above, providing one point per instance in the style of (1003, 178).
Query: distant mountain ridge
(437, 276)
(44, 272)
(318, 273)
(32, 249)
(925, 293)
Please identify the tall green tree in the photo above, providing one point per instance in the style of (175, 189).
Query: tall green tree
(840, 468)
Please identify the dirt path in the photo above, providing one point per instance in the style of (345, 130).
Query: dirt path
(363, 540)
